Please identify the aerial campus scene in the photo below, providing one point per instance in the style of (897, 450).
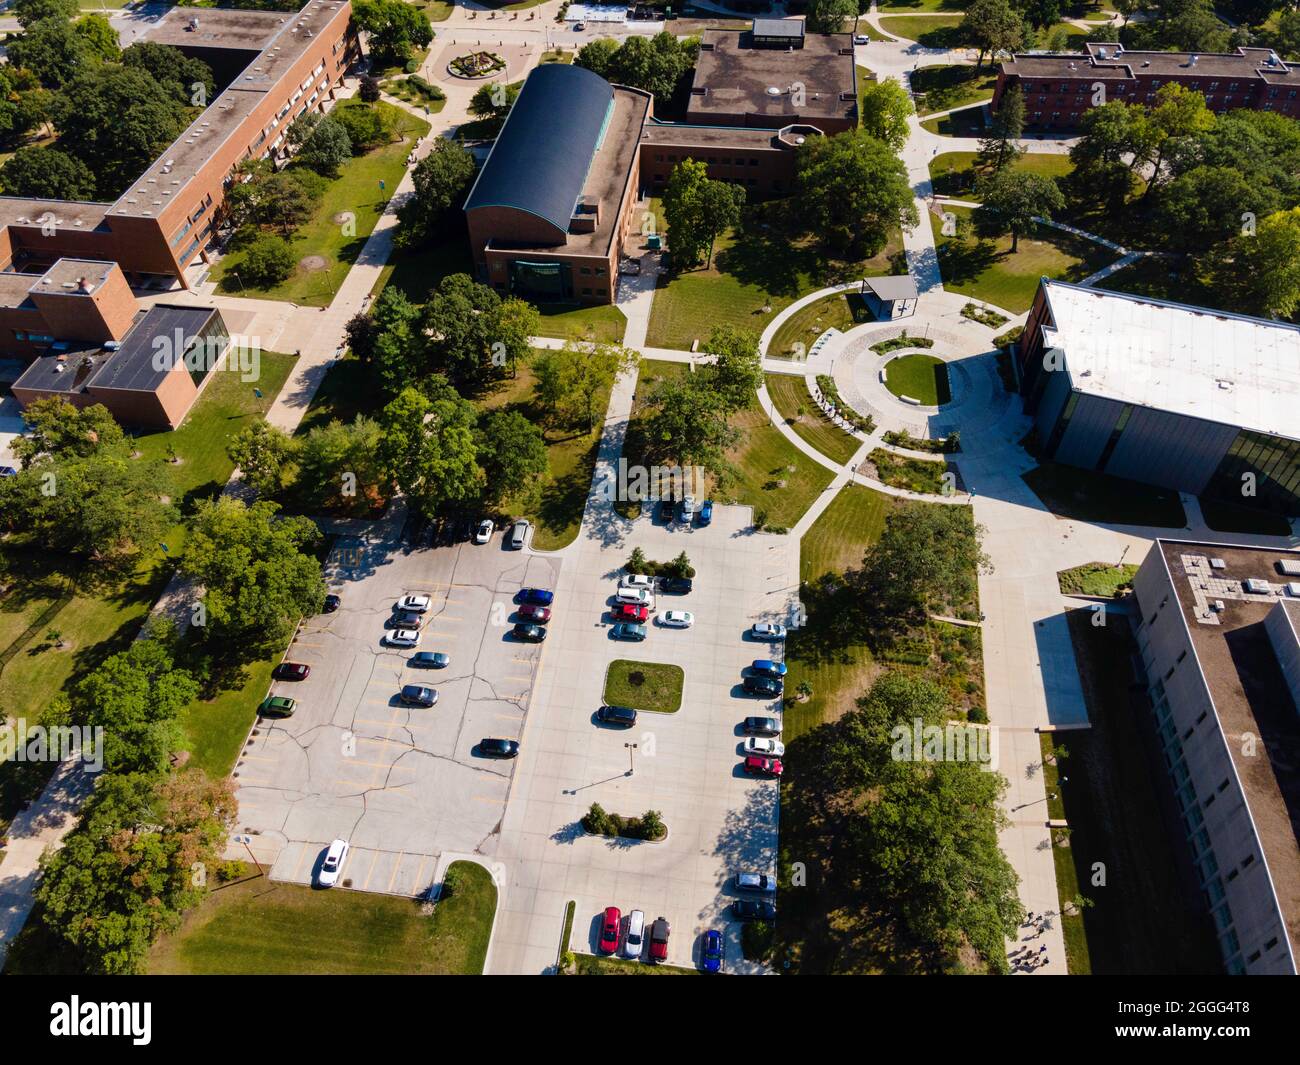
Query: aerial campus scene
(570, 489)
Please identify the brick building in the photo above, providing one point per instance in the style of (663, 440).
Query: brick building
(1058, 89)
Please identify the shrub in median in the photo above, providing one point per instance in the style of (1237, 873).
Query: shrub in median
(649, 825)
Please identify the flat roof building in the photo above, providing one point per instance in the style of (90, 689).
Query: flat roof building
(1183, 397)
(1215, 653)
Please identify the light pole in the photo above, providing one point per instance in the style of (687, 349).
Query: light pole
(631, 758)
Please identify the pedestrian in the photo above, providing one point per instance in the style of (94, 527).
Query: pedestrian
(1043, 949)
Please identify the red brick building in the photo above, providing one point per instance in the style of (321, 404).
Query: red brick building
(1058, 89)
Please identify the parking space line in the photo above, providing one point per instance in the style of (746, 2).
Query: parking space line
(396, 866)
(245, 782)
(302, 853)
(519, 676)
(490, 799)
(257, 758)
(370, 872)
(419, 872)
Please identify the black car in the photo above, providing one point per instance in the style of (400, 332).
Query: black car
(332, 603)
(617, 715)
(405, 619)
(528, 633)
(676, 585)
(768, 687)
(667, 508)
(496, 748)
(762, 726)
(417, 695)
(753, 910)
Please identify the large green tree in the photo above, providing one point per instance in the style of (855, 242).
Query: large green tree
(441, 180)
(995, 26)
(42, 172)
(885, 107)
(697, 210)
(572, 381)
(512, 453)
(321, 142)
(1001, 144)
(657, 64)
(1259, 272)
(829, 16)
(429, 450)
(262, 453)
(735, 371)
(188, 79)
(340, 465)
(395, 29)
(1011, 200)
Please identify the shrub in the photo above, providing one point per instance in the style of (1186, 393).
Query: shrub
(904, 341)
(452, 882)
(369, 90)
(985, 317)
(267, 261)
(826, 383)
(652, 825)
(231, 870)
(756, 940)
(598, 821)
(978, 715)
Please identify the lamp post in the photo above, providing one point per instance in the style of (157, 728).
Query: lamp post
(631, 758)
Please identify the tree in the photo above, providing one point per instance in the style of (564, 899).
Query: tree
(1206, 205)
(51, 50)
(340, 467)
(188, 80)
(369, 89)
(1178, 116)
(396, 29)
(512, 453)
(461, 321)
(286, 198)
(57, 428)
(736, 372)
(46, 173)
(29, 12)
(321, 141)
(656, 64)
(1001, 145)
(572, 380)
(885, 108)
(829, 16)
(98, 37)
(429, 450)
(261, 452)
(258, 573)
(397, 347)
(362, 124)
(1011, 200)
(491, 103)
(1040, 13)
(441, 180)
(518, 321)
(24, 104)
(994, 27)
(1260, 273)
(854, 190)
(266, 262)
(689, 425)
(697, 209)
(597, 56)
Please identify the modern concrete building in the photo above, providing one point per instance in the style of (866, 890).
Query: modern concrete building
(1059, 88)
(1215, 655)
(1198, 400)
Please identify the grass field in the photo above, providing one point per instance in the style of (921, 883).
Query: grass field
(921, 377)
(936, 31)
(953, 173)
(257, 927)
(846, 528)
(967, 122)
(892, 7)
(773, 476)
(644, 685)
(987, 269)
(794, 336)
(590, 965)
(356, 192)
(789, 392)
(948, 87)
(1096, 578)
(1084, 495)
(604, 323)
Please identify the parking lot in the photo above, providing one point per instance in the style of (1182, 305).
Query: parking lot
(402, 784)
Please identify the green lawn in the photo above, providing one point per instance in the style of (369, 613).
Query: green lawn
(773, 476)
(603, 323)
(644, 685)
(1096, 578)
(590, 965)
(415, 94)
(1229, 517)
(843, 532)
(921, 377)
(948, 87)
(257, 927)
(933, 31)
(794, 336)
(789, 392)
(987, 269)
(356, 191)
(417, 270)
(1085, 495)
(916, 475)
(967, 122)
(953, 173)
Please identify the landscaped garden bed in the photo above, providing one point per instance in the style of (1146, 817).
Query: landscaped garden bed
(984, 316)
(649, 826)
(946, 446)
(477, 65)
(915, 475)
(863, 423)
(654, 686)
(899, 342)
(809, 422)
(1097, 578)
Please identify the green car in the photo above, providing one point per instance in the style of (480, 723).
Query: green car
(277, 706)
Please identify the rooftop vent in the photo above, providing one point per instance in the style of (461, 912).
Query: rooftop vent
(192, 25)
(1191, 60)
(1103, 52)
(772, 90)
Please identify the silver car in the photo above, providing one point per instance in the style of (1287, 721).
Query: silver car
(518, 534)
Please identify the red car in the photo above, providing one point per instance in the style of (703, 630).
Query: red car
(539, 615)
(659, 940)
(610, 926)
(630, 612)
(756, 766)
(291, 671)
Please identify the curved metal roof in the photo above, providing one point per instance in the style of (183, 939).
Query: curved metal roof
(540, 161)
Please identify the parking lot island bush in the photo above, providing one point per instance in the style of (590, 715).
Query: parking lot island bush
(649, 826)
(679, 567)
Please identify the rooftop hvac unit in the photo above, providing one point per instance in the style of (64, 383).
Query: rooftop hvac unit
(1291, 569)
(1257, 586)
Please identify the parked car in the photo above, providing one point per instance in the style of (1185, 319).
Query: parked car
(659, 939)
(277, 706)
(415, 604)
(677, 619)
(758, 883)
(688, 509)
(8, 471)
(761, 726)
(333, 863)
(861, 38)
(636, 580)
(611, 925)
(753, 910)
(403, 638)
(635, 938)
(417, 695)
(706, 513)
(627, 630)
(636, 596)
(667, 508)
(483, 531)
(617, 715)
(405, 619)
(518, 534)
(429, 660)
(676, 585)
(713, 951)
(764, 745)
(490, 747)
(767, 667)
(763, 687)
(332, 603)
(629, 612)
(757, 766)
(768, 630)
(291, 671)
(536, 596)
(528, 633)
(539, 615)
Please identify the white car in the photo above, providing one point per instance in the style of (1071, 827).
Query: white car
(765, 746)
(677, 619)
(417, 603)
(334, 859)
(403, 638)
(635, 935)
(483, 533)
(636, 596)
(688, 509)
(861, 38)
(767, 630)
(636, 580)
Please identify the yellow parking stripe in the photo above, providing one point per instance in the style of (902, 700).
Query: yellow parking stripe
(371, 871)
(396, 866)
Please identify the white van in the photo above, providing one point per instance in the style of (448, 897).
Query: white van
(635, 935)
(636, 596)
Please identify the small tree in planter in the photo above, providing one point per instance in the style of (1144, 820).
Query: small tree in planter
(652, 825)
(597, 821)
(638, 563)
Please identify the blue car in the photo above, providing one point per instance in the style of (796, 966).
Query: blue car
(765, 667)
(536, 596)
(430, 660)
(627, 630)
(713, 951)
(706, 512)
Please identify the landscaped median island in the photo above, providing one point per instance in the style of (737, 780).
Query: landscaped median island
(920, 378)
(649, 826)
(652, 686)
(1097, 578)
(916, 475)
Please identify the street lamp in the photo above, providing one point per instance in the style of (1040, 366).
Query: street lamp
(631, 758)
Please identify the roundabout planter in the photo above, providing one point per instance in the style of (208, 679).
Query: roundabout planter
(918, 379)
(475, 66)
